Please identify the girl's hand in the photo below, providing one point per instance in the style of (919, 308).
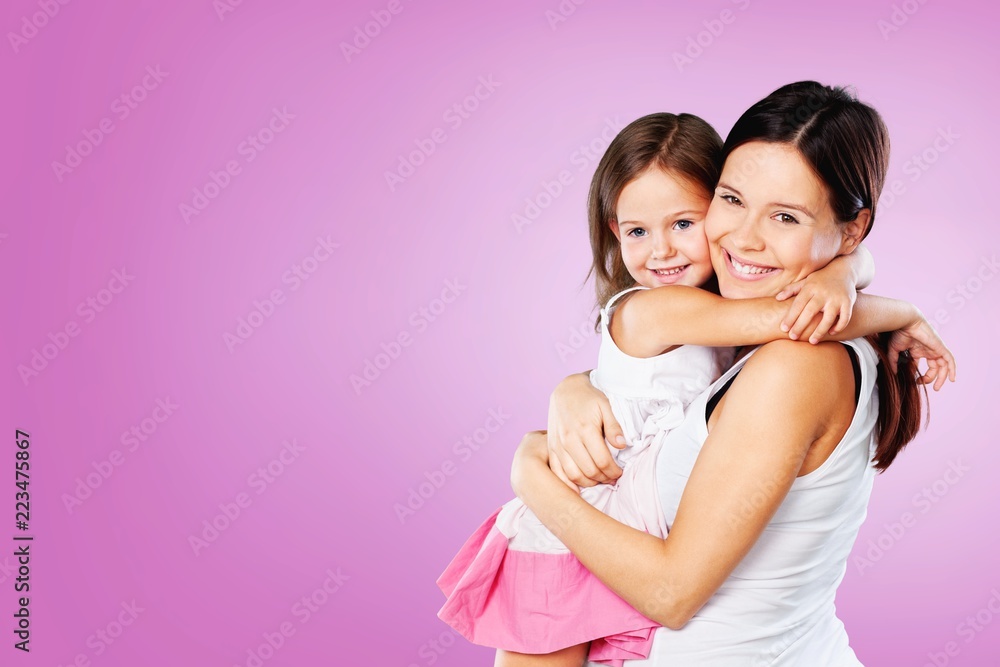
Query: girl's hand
(580, 418)
(830, 290)
(922, 342)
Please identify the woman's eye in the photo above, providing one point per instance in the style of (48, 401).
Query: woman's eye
(683, 224)
(731, 199)
(790, 219)
(638, 232)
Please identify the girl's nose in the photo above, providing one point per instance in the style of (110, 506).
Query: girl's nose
(662, 248)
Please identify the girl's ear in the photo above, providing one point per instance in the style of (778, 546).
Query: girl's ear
(614, 229)
(854, 231)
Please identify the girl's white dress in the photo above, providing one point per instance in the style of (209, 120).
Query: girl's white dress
(514, 586)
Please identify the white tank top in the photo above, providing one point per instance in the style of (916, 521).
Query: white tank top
(777, 606)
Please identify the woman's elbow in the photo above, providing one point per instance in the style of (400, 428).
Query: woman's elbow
(676, 619)
(670, 607)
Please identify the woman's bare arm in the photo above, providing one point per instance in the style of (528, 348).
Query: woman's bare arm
(779, 405)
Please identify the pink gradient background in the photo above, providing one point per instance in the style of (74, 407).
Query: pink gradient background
(494, 347)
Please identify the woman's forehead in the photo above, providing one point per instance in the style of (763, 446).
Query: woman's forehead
(774, 173)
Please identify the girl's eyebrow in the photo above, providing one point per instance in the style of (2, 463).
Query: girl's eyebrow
(669, 216)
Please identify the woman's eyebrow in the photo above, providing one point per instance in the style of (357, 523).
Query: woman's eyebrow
(803, 209)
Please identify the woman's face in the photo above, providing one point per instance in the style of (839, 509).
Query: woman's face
(770, 222)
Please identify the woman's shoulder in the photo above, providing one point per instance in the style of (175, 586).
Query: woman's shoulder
(814, 375)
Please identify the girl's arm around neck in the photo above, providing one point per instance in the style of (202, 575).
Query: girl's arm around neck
(654, 320)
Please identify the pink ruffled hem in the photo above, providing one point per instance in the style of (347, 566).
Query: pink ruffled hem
(536, 603)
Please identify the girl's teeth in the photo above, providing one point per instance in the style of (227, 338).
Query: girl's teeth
(669, 272)
(747, 269)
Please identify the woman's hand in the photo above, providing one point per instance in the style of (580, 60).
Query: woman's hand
(832, 291)
(922, 342)
(532, 451)
(580, 418)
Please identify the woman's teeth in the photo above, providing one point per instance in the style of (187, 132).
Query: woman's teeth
(747, 268)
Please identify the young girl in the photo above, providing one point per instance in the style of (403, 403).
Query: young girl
(513, 585)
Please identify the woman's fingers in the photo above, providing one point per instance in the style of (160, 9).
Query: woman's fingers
(557, 468)
(573, 472)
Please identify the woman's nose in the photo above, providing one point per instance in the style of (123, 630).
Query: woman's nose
(747, 234)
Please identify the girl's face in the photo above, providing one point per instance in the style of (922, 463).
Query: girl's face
(770, 222)
(660, 224)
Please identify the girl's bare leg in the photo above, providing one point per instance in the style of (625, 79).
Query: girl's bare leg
(574, 656)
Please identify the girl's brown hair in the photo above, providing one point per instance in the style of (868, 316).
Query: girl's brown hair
(682, 143)
(847, 143)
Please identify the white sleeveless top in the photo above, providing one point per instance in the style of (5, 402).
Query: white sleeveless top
(649, 395)
(777, 606)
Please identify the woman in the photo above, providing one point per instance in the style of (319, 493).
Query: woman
(765, 484)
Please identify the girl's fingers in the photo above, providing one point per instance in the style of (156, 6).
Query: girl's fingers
(843, 320)
(893, 359)
(805, 317)
(792, 316)
(829, 318)
(790, 290)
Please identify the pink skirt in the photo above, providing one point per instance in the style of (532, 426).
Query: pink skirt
(514, 586)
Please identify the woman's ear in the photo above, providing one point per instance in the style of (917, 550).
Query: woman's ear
(854, 231)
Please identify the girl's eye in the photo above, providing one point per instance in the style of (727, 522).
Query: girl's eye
(790, 219)
(731, 199)
(638, 232)
(681, 225)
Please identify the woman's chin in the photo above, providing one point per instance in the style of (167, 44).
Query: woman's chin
(731, 289)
